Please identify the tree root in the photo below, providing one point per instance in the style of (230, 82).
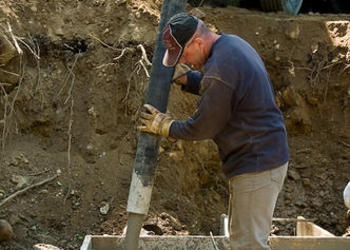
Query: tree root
(27, 188)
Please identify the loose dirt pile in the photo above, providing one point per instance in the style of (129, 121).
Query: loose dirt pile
(69, 102)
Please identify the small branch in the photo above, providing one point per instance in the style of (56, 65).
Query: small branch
(27, 188)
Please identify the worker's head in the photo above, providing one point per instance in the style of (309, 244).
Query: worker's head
(177, 32)
(185, 39)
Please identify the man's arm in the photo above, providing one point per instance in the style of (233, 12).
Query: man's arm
(188, 79)
(193, 82)
(212, 114)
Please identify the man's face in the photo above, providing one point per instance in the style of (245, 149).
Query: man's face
(193, 53)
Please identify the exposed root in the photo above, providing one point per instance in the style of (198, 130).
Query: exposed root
(100, 41)
(140, 64)
(71, 73)
(9, 105)
(35, 54)
(347, 66)
(144, 55)
(19, 50)
(104, 65)
(3, 121)
(122, 53)
(65, 81)
(70, 123)
(316, 71)
(134, 72)
(39, 173)
(10, 73)
(143, 59)
(35, 51)
(69, 165)
(12, 106)
(347, 145)
(27, 188)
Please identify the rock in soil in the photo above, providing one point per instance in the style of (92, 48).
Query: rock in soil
(6, 231)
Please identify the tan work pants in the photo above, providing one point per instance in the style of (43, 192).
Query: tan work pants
(253, 198)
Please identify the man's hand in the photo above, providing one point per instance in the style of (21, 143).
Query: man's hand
(179, 76)
(154, 121)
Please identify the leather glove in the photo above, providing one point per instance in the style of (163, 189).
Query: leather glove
(180, 70)
(154, 121)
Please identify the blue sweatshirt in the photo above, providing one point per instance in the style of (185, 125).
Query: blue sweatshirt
(236, 109)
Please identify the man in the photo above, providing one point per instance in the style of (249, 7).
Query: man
(236, 110)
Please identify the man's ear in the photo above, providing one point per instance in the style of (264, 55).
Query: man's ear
(200, 43)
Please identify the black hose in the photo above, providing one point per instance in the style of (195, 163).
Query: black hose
(148, 144)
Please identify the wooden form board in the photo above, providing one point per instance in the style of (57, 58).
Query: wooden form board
(309, 237)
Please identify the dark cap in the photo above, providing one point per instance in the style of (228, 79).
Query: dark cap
(177, 32)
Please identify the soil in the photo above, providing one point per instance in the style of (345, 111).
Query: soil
(69, 107)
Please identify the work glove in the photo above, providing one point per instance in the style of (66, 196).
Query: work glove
(155, 122)
(180, 70)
